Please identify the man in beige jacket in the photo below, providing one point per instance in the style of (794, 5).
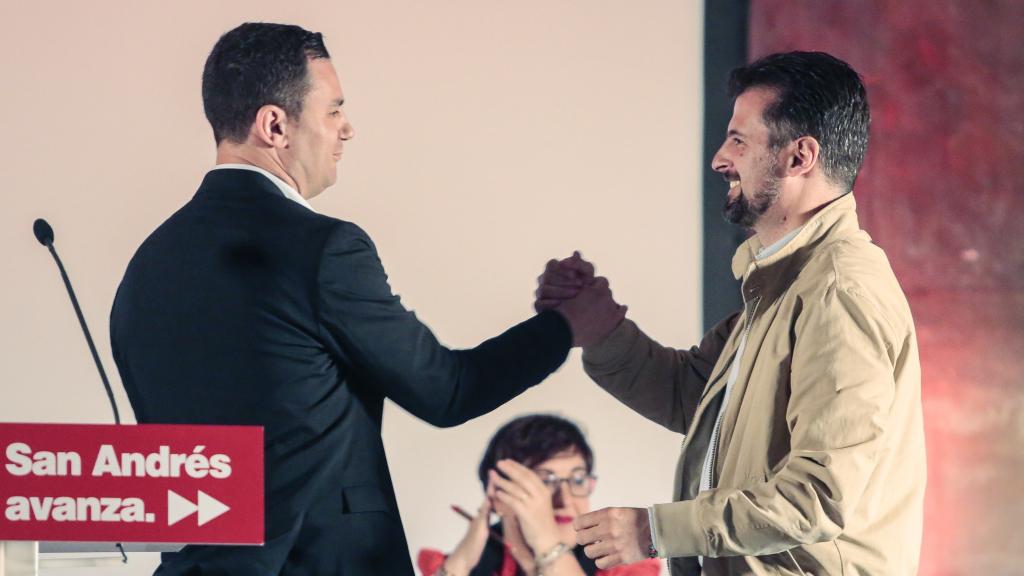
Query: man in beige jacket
(804, 443)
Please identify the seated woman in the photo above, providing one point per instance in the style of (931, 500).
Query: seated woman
(537, 473)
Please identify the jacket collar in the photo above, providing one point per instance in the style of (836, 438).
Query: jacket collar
(286, 189)
(834, 222)
(234, 181)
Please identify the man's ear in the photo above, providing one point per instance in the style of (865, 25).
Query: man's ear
(802, 156)
(271, 126)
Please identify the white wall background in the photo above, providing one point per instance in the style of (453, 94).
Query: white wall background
(490, 137)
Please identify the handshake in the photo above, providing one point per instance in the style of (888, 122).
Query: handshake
(569, 287)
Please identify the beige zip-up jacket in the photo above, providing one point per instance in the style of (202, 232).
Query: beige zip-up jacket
(820, 463)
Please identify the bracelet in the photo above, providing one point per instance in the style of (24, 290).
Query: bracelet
(652, 552)
(542, 561)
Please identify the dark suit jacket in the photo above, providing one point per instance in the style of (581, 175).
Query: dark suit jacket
(246, 308)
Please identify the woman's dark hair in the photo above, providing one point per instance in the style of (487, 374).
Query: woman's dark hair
(254, 65)
(817, 95)
(533, 439)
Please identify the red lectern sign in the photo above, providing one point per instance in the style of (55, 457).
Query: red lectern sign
(144, 483)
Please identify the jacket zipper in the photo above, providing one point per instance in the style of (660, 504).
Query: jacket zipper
(716, 432)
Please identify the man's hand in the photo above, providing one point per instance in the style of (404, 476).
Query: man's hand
(613, 536)
(592, 314)
(561, 280)
(568, 286)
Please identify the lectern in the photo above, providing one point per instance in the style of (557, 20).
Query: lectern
(152, 487)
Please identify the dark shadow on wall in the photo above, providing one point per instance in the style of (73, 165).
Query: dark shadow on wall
(725, 48)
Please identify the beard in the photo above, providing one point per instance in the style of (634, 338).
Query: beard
(746, 213)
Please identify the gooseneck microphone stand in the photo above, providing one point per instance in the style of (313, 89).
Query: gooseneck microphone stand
(44, 233)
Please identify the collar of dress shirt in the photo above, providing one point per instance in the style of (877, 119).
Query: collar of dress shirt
(289, 192)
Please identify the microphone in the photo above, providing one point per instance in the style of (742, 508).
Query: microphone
(44, 233)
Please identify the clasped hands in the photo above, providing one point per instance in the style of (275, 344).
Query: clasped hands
(569, 287)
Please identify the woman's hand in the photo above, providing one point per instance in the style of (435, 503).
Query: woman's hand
(513, 536)
(522, 491)
(467, 554)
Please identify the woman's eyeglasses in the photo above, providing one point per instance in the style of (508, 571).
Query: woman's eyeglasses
(580, 483)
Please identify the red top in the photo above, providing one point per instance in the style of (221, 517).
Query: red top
(429, 562)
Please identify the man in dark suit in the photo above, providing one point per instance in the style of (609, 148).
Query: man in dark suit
(246, 307)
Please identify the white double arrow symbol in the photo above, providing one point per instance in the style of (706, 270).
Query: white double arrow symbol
(179, 507)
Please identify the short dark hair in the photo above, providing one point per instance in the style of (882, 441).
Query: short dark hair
(533, 439)
(817, 95)
(254, 65)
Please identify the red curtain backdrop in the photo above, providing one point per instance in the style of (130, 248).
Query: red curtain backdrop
(942, 191)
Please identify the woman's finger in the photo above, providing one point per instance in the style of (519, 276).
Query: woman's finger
(483, 514)
(508, 486)
(515, 504)
(523, 476)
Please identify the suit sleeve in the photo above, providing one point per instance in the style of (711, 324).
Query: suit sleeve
(387, 345)
(660, 383)
(842, 390)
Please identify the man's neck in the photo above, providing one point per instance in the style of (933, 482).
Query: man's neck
(790, 213)
(227, 154)
(770, 232)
